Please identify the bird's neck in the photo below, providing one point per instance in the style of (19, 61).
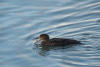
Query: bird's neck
(46, 40)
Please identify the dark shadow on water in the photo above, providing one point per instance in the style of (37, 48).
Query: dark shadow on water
(44, 50)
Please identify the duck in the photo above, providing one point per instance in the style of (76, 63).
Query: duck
(46, 41)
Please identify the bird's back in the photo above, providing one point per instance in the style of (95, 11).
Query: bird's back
(61, 42)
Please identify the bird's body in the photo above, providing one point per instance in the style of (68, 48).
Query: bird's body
(59, 42)
(46, 41)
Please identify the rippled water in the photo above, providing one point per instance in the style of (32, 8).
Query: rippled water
(23, 20)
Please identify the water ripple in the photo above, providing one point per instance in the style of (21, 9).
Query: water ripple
(21, 21)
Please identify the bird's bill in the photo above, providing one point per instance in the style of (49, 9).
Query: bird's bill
(37, 41)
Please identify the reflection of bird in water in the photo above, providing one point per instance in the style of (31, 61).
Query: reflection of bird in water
(44, 50)
(46, 41)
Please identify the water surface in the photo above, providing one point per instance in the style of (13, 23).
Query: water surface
(23, 20)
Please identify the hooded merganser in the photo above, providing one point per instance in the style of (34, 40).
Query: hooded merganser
(46, 41)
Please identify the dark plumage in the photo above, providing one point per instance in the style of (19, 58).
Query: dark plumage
(56, 41)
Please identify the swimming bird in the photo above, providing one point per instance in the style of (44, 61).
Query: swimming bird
(46, 41)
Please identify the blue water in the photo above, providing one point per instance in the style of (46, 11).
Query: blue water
(23, 20)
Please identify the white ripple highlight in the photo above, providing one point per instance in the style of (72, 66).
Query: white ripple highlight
(60, 9)
(91, 5)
